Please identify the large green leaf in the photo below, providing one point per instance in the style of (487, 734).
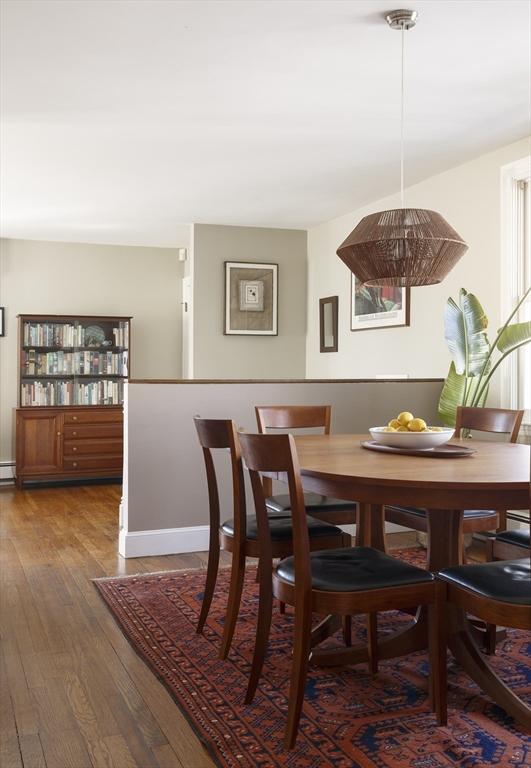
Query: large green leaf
(465, 335)
(453, 392)
(514, 336)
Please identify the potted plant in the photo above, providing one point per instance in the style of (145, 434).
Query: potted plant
(474, 358)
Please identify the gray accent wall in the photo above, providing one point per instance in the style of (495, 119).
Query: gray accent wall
(164, 478)
(217, 356)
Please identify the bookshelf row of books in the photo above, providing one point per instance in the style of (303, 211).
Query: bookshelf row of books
(121, 335)
(105, 392)
(74, 363)
(73, 335)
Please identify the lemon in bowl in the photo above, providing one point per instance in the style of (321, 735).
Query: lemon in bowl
(404, 418)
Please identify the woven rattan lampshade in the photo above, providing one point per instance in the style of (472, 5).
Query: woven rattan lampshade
(404, 247)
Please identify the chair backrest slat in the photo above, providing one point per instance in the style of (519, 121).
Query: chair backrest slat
(293, 417)
(277, 453)
(222, 433)
(500, 420)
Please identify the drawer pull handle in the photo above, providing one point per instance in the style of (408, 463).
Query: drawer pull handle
(74, 433)
(74, 448)
(74, 418)
(58, 434)
(74, 463)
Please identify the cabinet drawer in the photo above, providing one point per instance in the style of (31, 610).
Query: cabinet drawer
(72, 464)
(102, 446)
(93, 416)
(74, 431)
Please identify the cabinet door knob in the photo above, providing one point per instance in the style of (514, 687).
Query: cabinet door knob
(58, 434)
(74, 448)
(74, 433)
(74, 463)
(74, 418)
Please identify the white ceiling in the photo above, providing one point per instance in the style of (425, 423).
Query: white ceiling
(124, 118)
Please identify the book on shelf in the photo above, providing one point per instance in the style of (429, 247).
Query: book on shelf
(81, 363)
(70, 334)
(70, 392)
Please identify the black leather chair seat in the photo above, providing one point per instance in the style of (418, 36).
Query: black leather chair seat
(506, 580)
(281, 527)
(355, 569)
(312, 501)
(468, 514)
(521, 537)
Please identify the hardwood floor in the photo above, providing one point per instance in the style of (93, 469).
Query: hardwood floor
(73, 692)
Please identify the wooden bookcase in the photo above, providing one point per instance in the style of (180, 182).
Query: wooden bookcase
(69, 419)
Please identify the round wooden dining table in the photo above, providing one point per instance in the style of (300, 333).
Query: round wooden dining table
(495, 476)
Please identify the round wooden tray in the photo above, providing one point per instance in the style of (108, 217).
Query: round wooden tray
(446, 451)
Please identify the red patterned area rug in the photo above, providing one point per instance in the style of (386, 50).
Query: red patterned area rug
(349, 719)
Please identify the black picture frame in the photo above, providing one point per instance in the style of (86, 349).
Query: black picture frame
(331, 320)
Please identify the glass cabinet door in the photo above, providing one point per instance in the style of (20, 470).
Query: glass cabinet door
(82, 361)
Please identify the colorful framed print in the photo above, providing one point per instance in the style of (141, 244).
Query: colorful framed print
(382, 307)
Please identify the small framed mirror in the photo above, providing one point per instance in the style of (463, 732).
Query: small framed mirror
(328, 324)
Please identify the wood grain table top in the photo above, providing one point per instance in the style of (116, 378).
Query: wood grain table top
(495, 465)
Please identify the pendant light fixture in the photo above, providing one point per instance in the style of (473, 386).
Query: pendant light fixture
(405, 246)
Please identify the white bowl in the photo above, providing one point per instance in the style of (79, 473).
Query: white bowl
(411, 439)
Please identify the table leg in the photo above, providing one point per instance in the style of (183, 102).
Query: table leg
(411, 638)
(370, 531)
(326, 628)
(444, 538)
(475, 664)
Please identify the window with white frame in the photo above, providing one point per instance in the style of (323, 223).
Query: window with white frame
(516, 280)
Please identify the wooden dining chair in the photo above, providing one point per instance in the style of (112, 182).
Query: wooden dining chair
(353, 580)
(239, 535)
(496, 420)
(287, 417)
(505, 545)
(508, 545)
(498, 593)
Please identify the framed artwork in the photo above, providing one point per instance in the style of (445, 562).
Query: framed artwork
(2, 320)
(251, 299)
(328, 324)
(382, 307)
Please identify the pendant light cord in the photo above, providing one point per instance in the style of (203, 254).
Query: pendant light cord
(402, 124)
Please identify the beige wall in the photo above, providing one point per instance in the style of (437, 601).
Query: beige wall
(469, 197)
(70, 278)
(254, 357)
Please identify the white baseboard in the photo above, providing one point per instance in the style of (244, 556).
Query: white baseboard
(389, 528)
(394, 528)
(7, 470)
(176, 541)
(166, 541)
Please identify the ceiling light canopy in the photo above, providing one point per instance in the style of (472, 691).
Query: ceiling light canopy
(406, 246)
